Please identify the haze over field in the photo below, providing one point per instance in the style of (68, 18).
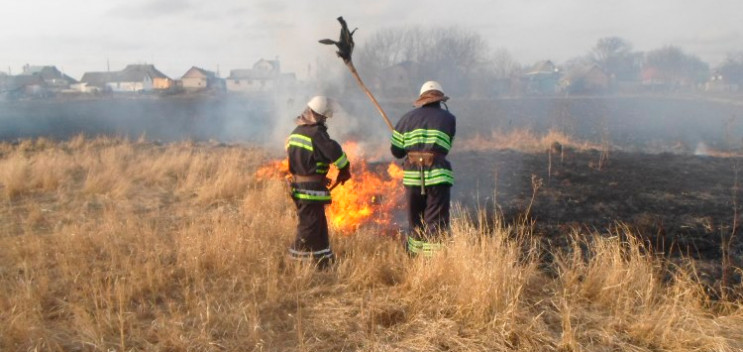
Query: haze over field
(81, 35)
(588, 214)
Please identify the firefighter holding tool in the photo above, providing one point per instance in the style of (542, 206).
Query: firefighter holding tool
(424, 136)
(311, 151)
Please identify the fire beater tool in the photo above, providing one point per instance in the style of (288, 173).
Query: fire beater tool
(345, 48)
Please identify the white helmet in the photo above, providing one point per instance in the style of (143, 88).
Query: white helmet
(431, 85)
(322, 105)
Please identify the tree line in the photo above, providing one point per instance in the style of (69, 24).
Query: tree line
(463, 62)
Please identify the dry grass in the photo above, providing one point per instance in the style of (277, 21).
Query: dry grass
(112, 245)
(527, 141)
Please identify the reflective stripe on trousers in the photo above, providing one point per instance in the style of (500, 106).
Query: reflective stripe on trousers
(306, 255)
(424, 248)
(310, 194)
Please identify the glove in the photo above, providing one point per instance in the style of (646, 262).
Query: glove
(344, 175)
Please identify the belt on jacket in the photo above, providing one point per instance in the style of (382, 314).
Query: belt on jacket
(422, 160)
(310, 178)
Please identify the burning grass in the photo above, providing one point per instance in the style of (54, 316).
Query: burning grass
(370, 198)
(108, 244)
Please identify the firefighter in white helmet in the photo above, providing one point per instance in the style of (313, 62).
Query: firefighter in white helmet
(424, 137)
(311, 152)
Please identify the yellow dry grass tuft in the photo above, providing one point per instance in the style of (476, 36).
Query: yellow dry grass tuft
(526, 140)
(108, 244)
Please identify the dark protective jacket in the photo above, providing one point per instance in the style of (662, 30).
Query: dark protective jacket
(311, 151)
(431, 129)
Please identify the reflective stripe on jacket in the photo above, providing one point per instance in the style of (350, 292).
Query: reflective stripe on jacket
(421, 138)
(431, 177)
(428, 128)
(310, 152)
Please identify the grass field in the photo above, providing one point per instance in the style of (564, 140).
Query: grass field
(117, 245)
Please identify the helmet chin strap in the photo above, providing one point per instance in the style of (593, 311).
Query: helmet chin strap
(445, 106)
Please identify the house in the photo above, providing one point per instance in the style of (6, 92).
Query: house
(265, 76)
(140, 78)
(652, 76)
(717, 82)
(542, 78)
(585, 79)
(133, 79)
(54, 79)
(28, 86)
(36, 82)
(196, 79)
(659, 79)
(94, 82)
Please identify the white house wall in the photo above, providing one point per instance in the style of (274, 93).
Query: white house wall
(85, 88)
(249, 86)
(130, 87)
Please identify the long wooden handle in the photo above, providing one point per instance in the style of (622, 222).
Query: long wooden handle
(349, 63)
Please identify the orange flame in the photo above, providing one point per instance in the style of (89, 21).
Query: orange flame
(370, 197)
(273, 169)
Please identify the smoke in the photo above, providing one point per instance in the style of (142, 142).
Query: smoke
(226, 119)
(701, 149)
(356, 119)
(645, 124)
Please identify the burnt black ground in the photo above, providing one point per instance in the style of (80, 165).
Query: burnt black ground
(680, 205)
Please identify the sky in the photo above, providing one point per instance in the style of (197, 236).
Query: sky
(79, 36)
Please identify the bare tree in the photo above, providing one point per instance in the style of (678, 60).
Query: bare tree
(450, 55)
(677, 67)
(575, 62)
(615, 56)
(503, 63)
(610, 47)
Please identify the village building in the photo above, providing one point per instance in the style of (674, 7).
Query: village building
(717, 82)
(137, 78)
(198, 79)
(54, 79)
(265, 76)
(542, 78)
(94, 82)
(140, 78)
(585, 79)
(659, 78)
(36, 82)
(32, 86)
(655, 79)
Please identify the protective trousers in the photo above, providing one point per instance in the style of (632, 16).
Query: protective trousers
(312, 242)
(428, 217)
